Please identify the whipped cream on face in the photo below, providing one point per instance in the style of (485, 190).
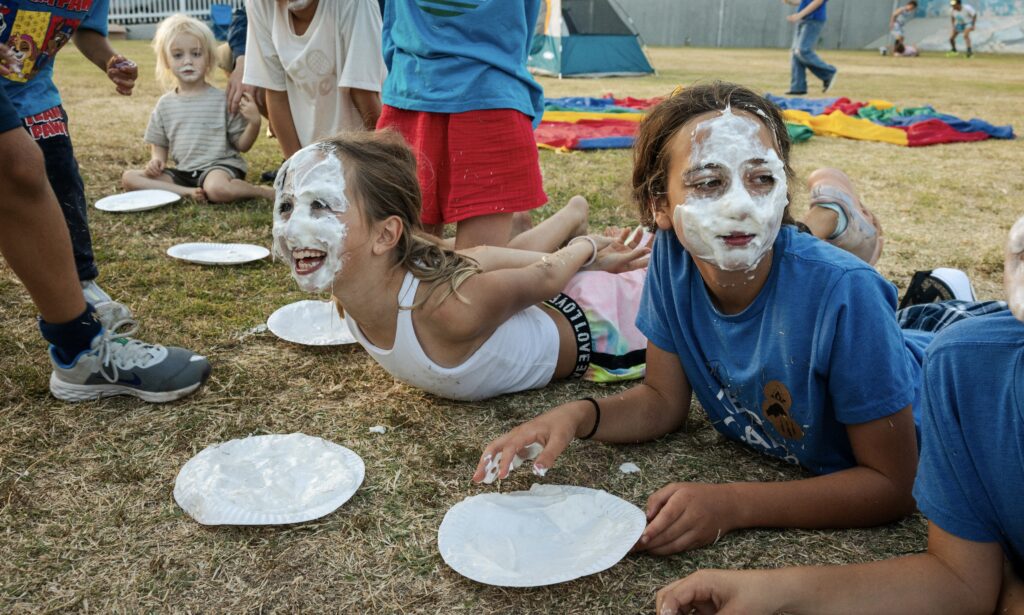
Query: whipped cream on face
(733, 227)
(307, 232)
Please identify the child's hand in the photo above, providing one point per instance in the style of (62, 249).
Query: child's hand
(553, 430)
(718, 591)
(684, 516)
(247, 107)
(615, 256)
(123, 72)
(154, 168)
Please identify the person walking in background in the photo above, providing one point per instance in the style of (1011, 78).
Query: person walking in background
(810, 19)
(963, 19)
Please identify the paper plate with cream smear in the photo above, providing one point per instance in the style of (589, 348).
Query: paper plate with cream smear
(268, 480)
(218, 253)
(549, 534)
(138, 200)
(312, 323)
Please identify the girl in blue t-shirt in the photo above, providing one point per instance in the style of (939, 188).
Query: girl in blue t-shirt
(791, 345)
(969, 486)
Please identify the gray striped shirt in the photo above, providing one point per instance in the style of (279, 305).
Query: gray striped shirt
(197, 130)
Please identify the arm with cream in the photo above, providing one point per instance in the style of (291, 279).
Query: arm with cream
(645, 412)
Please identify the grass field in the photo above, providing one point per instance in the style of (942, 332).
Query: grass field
(87, 521)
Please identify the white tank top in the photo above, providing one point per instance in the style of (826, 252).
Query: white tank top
(521, 354)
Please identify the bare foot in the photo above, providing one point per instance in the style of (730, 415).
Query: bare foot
(580, 209)
(197, 195)
(1013, 270)
(267, 192)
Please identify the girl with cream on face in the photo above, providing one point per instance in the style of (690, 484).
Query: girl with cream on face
(191, 126)
(464, 325)
(791, 345)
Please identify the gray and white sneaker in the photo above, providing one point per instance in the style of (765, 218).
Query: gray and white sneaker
(120, 365)
(112, 314)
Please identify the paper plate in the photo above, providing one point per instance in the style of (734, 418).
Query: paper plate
(549, 534)
(139, 200)
(312, 323)
(267, 480)
(218, 253)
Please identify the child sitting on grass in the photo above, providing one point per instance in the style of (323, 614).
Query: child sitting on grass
(969, 485)
(191, 124)
(463, 325)
(791, 345)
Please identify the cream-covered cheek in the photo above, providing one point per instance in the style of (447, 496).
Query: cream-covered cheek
(311, 237)
(735, 227)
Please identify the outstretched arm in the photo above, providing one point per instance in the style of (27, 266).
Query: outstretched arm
(279, 111)
(954, 576)
(96, 48)
(647, 411)
(877, 490)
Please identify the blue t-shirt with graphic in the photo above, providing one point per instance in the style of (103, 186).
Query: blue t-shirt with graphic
(970, 481)
(453, 57)
(817, 14)
(36, 30)
(817, 350)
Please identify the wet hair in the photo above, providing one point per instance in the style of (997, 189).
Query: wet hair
(381, 169)
(651, 149)
(166, 33)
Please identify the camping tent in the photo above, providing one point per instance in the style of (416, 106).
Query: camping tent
(586, 38)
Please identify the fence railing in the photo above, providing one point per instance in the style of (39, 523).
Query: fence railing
(129, 12)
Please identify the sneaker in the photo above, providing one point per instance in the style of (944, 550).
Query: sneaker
(863, 235)
(120, 365)
(943, 284)
(831, 82)
(792, 93)
(883, 51)
(952, 54)
(112, 314)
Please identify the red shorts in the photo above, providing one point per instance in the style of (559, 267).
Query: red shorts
(471, 164)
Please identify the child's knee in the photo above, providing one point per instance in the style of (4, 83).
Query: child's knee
(217, 192)
(126, 179)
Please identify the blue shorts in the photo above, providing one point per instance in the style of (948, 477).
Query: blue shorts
(9, 118)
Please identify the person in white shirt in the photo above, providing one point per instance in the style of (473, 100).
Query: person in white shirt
(321, 64)
(963, 19)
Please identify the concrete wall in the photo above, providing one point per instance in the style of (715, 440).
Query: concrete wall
(852, 24)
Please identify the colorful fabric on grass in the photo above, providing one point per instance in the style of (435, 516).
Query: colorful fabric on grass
(881, 120)
(581, 123)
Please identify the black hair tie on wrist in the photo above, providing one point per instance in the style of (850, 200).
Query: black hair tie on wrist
(597, 418)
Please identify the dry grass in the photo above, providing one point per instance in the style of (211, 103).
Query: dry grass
(87, 521)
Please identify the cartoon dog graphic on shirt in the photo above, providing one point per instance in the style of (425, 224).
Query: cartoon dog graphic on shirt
(776, 405)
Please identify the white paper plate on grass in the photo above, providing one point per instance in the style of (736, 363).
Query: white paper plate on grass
(138, 200)
(268, 480)
(218, 253)
(311, 323)
(549, 534)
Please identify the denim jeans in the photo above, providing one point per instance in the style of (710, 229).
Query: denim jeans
(804, 40)
(50, 131)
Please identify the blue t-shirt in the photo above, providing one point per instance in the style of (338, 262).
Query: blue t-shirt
(817, 350)
(453, 57)
(817, 14)
(36, 31)
(970, 481)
